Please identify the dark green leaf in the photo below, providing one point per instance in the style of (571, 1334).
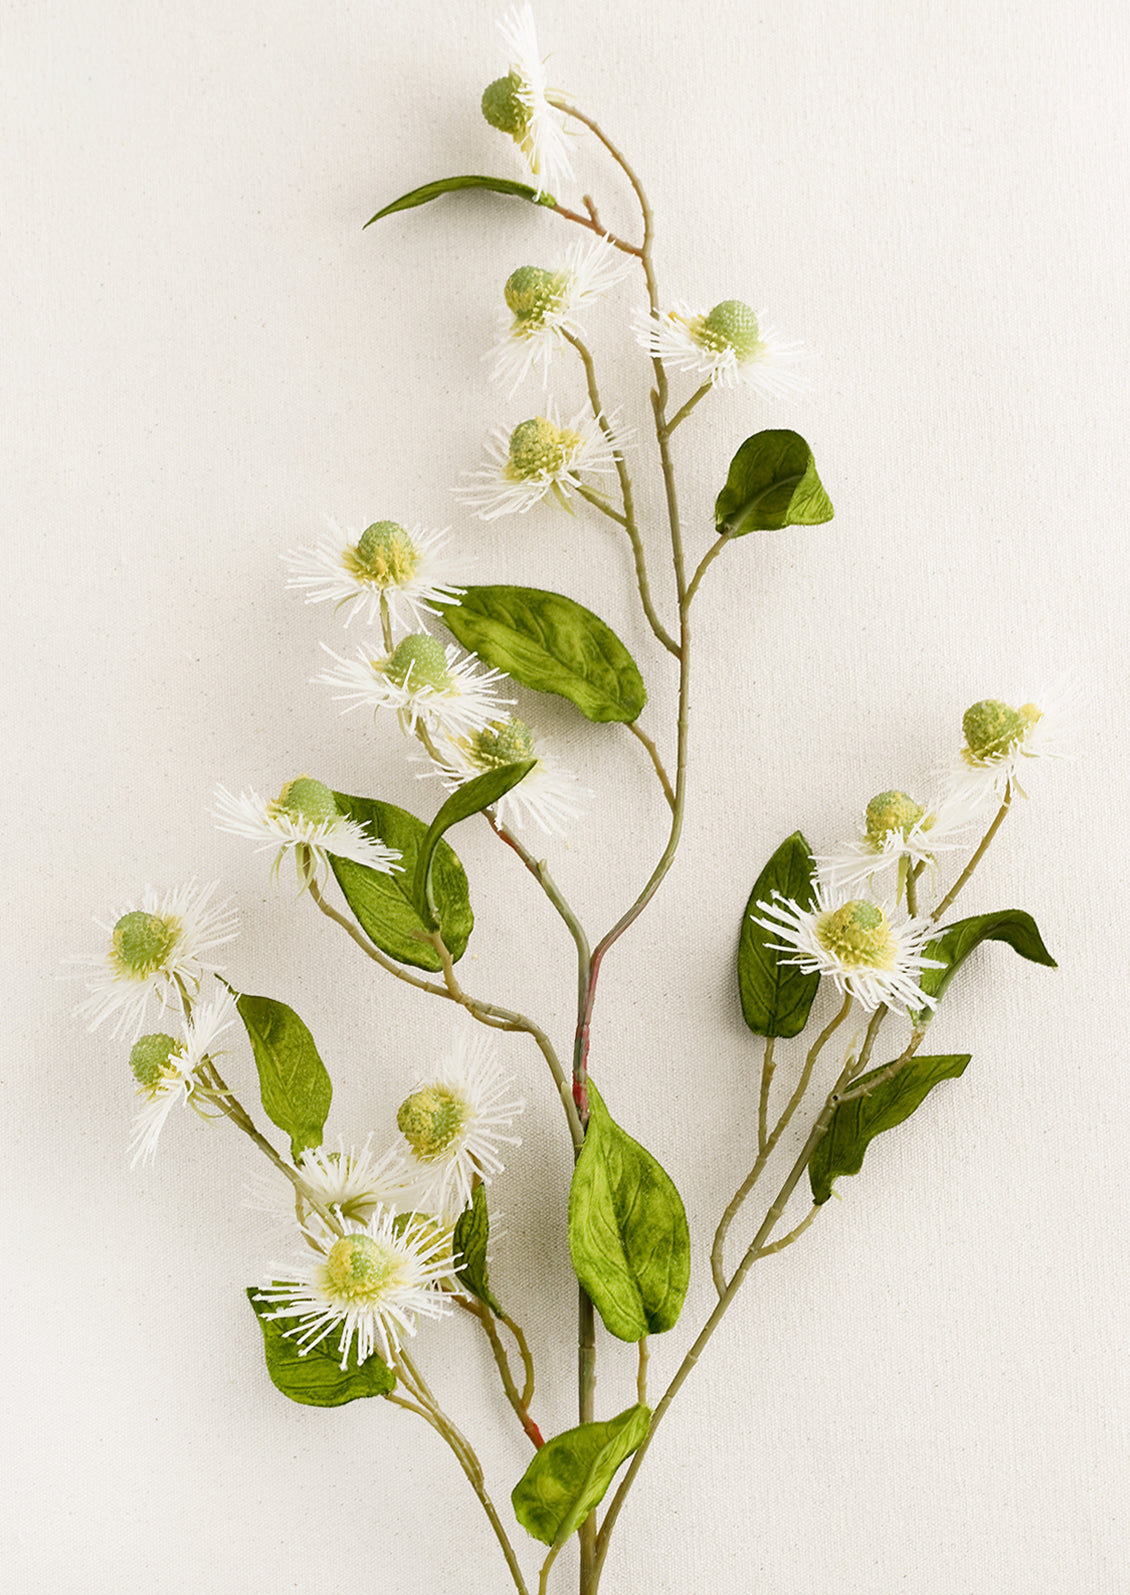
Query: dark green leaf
(451, 185)
(552, 644)
(315, 1378)
(570, 1474)
(952, 946)
(470, 1241)
(384, 906)
(776, 996)
(855, 1124)
(628, 1234)
(293, 1082)
(472, 798)
(772, 483)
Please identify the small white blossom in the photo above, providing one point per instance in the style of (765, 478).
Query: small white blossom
(385, 568)
(547, 796)
(304, 820)
(518, 104)
(543, 307)
(723, 346)
(165, 1070)
(1001, 743)
(355, 1183)
(426, 683)
(897, 831)
(537, 458)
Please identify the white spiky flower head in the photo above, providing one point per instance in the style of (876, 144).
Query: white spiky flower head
(354, 1183)
(728, 344)
(547, 796)
(454, 1121)
(897, 831)
(518, 104)
(369, 1285)
(304, 820)
(385, 571)
(538, 457)
(1001, 742)
(543, 306)
(165, 1066)
(428, 684)
(872, 955)
(155, 948)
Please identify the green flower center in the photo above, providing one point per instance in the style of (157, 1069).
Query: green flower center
(305, 799)
(150, 1059)
(537, 448)
(359, 1269)
(859, 935)
(419, 661)
(891, 812)
(510, 742)
(993, 729)
(141, 943)
(730, 325)
(430, 1119)
(532, 292)
(384, 555)
(504, 107)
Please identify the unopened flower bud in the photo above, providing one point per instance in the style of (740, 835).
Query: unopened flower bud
(531, 292)
(730, 325)
(384, 554)
(992, 728)
(430, 1119)
(891, 813)
(504, 107)
(141, 942)
(510, 742)
(537, 447)
(306, 799)
(419, 661)
(151, 1057)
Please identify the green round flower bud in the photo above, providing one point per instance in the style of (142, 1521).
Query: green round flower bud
(306, 799)
(537, 447)
(730, 325)
(859, 935)
(150, 1059)
(359, 1269)
(891, 812)
(141, 943)
(504, 107)
(384, 555)
(419, 661)
(531, 292)
(992, 728)
(430, 1119)
(507, 743)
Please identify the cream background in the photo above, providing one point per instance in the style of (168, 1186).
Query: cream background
(203, 354)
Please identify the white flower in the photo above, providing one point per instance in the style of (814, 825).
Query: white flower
(518, 105)
(870, 956)
(165, 1070)
(538, 457)
(424, 682)
(543, 306)
(546, 796)
(1001, 742)
(356, 1183)
(154, 950)
(372, 1283)
(453, 1122)
(387, 568)
(305, 820)
(723, 346)
(897, 830)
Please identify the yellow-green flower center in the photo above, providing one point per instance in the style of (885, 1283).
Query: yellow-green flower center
(141, 942)
(430, 1119)
(419, 661)
(993, 729)
(889, 813)
(305, 799)
(730, 325)
(150, 1059)
(359, 1269)
(504, 107)
(858, 935)
(537, 447)
(384, 555)
(509, 742)
(532, 292)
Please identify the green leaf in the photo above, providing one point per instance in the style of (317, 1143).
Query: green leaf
(451, 185)
(551, 644)
(470, 1241)
(315, 1378)
(772, 483)
(384, 906)
(776, 996)
(570, 1474)
(955, 942)
(855, 1124)
(293, 1083)
(628, 1235)
(466, 800)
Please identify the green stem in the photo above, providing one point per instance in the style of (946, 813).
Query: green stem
(982, 848)
(705, 562)
(595, 227)
(642, 736)
(767, 1067)
(598, 501)
(482, 1312)
(681, 415)
(543, 1577)
(641, 1371)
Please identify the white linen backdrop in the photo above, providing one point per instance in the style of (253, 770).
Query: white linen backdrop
(204, 355)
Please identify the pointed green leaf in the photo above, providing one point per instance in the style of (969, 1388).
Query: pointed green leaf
(952, 946)
(384, 906)
(568, 1477)
(466, 800)
(551, 644)
(470, 1241)
(772, 483)
(628, 1234)
(293, 1082)
(855, 1124)
(452, 185)
(776, 996)
(315, 1378)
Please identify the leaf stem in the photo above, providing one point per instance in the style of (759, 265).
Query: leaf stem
(767, 1068)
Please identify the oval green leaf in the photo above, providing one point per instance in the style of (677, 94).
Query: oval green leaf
(855, 1124)
(470, 1242)
(628, 1235)
(384, 905)
(293, 1083)
(472, 798)
(315, 1378)
(568, 1477)
(772, 482)
(452, 185)
(551, 644)
(776, 996)
(952, 946)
